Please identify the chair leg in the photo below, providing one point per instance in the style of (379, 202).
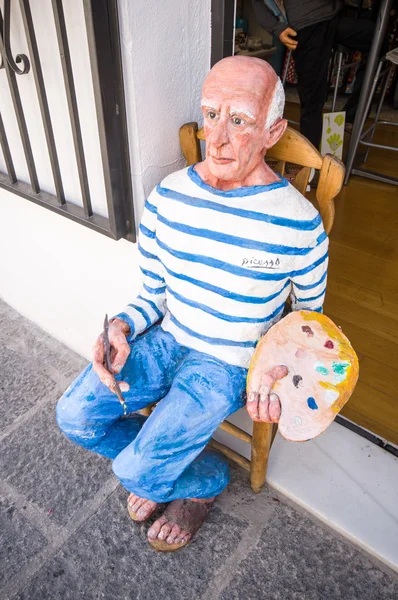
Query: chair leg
(274, 432)
(261, 445)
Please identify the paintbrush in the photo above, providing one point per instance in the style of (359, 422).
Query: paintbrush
(107, 353)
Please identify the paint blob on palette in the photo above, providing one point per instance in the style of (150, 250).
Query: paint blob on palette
(323, 370)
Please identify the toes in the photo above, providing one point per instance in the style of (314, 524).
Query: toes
(132, 500)
(184, 536)
(137, 505)
(174, 533)
(165, 531)
(146, 509)
(153, 531)
(141, 508)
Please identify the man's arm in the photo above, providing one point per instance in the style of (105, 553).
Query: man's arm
(308, 293)
(147, 308)
(150, 305)
(276, 25)
(309, 280)
(266, 18)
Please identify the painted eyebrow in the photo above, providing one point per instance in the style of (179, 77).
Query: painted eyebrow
(242, 111)
(208, 104)
(233, 111)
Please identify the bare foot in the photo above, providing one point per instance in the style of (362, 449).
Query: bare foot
(140, 509)
(179, 523)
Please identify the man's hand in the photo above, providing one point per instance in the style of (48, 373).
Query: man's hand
(120, 350)
(263, 405)
(287, 40)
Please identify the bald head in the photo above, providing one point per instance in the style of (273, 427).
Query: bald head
(242, 105)
(236, 76)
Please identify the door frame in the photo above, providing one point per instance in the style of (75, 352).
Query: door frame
(223, 16)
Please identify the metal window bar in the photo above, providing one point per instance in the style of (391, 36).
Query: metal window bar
(101, 17)
(67, 72)
(104, 47)
(7, 154)
(42, 96)
(8, 64)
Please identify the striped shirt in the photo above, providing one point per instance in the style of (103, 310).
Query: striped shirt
(218, 266)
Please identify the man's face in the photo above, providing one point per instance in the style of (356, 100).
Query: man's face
(234, 121)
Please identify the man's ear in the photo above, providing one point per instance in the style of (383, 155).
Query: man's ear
(275, 133)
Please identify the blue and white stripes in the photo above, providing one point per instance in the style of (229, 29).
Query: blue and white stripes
(218, 266)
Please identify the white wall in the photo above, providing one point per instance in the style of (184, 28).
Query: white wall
(172, 40)
(61, 275)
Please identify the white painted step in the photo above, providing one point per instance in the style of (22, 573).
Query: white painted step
(343, 479)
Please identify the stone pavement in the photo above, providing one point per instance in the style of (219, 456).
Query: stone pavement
(65, 533)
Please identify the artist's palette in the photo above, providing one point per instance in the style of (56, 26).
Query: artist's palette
(323, 371)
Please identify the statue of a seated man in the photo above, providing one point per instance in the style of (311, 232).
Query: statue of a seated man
(222, 245)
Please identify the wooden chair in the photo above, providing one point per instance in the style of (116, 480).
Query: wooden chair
(292, 148)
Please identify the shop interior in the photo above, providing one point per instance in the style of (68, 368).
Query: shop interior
(363, 268)
(252, 40)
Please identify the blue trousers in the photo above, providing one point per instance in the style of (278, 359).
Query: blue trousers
(160, 457)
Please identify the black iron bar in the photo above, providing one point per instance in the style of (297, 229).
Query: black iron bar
(6, 153)
(19, 113)
(69, 210)
(42, 97)
(67, 72)
(113, 16)
(20, 58)
(102, 60)
(106, 70)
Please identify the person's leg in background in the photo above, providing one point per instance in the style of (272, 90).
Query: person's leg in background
(356, 34)
(311, 57)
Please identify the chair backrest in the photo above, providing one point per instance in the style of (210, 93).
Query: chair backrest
(291, 148)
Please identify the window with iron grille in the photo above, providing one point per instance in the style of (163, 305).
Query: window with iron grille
(63, 132)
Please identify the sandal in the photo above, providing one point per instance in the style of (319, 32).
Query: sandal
(188, 515)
